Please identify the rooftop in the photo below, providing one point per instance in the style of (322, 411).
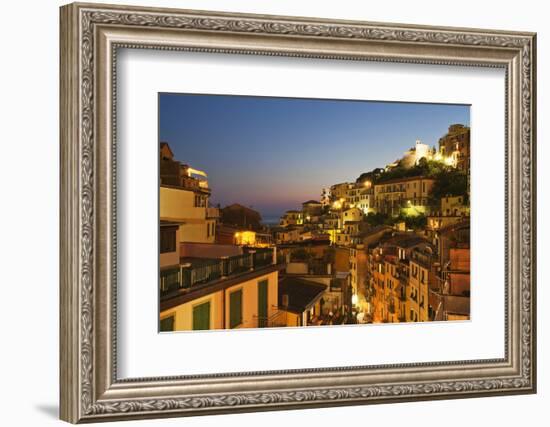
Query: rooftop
(302, 294)
(197, 291)
(198, 275)
(405, 241)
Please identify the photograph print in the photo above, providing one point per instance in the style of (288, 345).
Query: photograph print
(289, 212)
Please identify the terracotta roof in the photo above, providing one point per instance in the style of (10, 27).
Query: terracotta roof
(406, 241)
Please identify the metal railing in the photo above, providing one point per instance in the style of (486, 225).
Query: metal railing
(206, 270)
(277, 320)
(263, 258)
(197, 275)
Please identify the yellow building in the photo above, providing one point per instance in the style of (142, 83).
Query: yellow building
(339, 192)
(420, 275)
(247, 300)
(287, 235)
(189, 207)
(352, 214)
(453, 209)
(410, 195)
(391, 297)
(454, 206)
(292, 217)
(377, 279)
(400, 271)
(204, 285)
(346, 235)
(358, 272)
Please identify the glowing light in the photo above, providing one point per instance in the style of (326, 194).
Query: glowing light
(367, 184)
(354, 299)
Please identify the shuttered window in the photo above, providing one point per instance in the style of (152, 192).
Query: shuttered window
(201, 317)
(167, 240)
(235, 308)
(167, 324)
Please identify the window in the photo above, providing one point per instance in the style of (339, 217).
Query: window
(167, 240)
(167, 324)
(201, 316)
(235, 308)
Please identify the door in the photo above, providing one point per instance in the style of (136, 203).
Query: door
(262, 304)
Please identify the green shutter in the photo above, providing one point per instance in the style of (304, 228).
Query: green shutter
(262, 303)
(201, 317)
(167, 324)
(235, 308)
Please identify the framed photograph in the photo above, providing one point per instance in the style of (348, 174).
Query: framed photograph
(265, 212)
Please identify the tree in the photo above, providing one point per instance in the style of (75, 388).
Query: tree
(450, 183)
(375, 219)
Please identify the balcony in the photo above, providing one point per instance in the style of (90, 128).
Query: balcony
(212, 213)
(196, 272)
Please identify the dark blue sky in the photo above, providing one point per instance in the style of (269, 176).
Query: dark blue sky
(274, 153)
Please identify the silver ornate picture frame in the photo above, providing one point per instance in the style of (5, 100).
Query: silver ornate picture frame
(90, 37)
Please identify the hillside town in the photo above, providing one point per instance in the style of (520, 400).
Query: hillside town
(392, 246)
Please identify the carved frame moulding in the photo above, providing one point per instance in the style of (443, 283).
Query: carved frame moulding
(90, 37)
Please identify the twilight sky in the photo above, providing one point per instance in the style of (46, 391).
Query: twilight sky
(274, 153)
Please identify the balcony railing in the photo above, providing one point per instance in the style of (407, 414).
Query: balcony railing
(276, 320)
(202, 271)
(262, 258)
